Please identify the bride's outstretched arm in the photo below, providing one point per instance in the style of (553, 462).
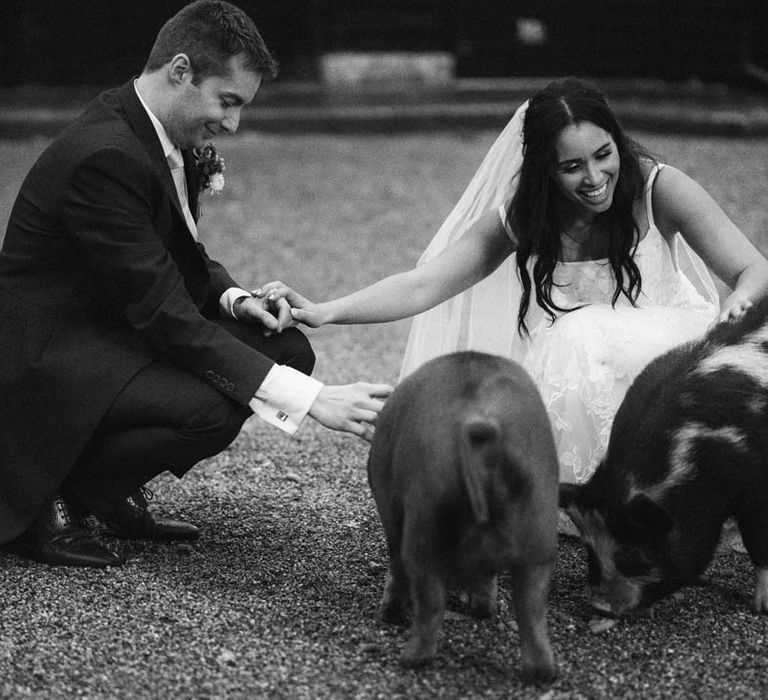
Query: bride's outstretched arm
(681, 204)
(467, 261)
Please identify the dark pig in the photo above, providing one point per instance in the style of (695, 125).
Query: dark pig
(464, 474)
(688, 449)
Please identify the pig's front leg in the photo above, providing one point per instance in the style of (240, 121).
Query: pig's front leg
(429, 594)
(753, 524)
(760, 601)
(531, 587)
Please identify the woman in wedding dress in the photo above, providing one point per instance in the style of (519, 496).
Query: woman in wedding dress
(573, 252)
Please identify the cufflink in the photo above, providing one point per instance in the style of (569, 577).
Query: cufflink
(282, 416)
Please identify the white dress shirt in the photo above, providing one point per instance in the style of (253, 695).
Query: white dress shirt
(286, 395)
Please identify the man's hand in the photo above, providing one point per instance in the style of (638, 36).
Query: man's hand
(275, 316)
(301, 310)
(352, 408)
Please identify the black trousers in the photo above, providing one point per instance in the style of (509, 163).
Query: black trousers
(168, 419)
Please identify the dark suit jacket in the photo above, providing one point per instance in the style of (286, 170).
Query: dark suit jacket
(99, 276)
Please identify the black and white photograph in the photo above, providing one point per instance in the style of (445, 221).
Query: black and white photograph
(384, 349)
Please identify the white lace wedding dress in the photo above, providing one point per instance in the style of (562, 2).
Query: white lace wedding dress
(584, 362)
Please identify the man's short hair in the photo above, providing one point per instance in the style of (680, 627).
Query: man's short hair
(211, 32)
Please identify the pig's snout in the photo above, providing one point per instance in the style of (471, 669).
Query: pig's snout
(601, 605)
(606, 608)
(616, 598)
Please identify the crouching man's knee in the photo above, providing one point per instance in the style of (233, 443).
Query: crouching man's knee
(296, 351)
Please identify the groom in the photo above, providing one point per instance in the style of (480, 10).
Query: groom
(125, 350)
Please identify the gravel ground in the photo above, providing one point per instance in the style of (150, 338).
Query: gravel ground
(278, 599)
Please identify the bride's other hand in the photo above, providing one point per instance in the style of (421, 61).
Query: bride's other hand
(733, 309)
(301, 309)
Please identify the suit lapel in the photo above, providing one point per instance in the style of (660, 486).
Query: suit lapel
(181, 244)
(145, 131)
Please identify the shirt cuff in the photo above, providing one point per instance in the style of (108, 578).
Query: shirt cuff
(228, 298)
(285, 397)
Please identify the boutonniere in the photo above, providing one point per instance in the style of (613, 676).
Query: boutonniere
(210, 169)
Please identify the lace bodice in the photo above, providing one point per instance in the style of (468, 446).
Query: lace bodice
(592, 281)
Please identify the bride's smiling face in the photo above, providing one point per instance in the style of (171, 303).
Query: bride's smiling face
(586, 167)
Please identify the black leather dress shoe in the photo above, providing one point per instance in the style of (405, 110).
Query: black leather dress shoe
(58, 536)
(132, 520)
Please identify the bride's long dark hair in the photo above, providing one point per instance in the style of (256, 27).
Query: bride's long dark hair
(532, 209)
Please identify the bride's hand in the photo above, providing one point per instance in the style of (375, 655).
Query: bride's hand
(302, 310)
(733, 308)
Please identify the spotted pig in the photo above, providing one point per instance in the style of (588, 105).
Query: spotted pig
(688, 449)
(464, 474)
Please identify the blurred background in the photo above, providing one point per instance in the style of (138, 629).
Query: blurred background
(95, 42)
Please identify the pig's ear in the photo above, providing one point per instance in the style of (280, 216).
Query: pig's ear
(649, 516)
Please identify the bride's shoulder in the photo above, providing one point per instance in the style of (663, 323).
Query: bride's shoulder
(649, 165)
(671, 182)
(663, 179)
(675, 196)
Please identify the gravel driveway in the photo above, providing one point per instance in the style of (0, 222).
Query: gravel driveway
(278, 600)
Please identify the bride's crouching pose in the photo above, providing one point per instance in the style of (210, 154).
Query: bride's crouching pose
(582, 258)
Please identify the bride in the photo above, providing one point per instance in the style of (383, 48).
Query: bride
(573, 252)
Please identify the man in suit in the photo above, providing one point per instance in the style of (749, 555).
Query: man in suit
(125, 350)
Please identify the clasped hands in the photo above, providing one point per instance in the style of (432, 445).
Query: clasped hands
(276, 307)
(273, 315)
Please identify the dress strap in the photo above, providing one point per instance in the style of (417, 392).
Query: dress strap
(505, 222)
(649, 192)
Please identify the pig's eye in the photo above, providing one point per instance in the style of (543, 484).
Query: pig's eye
(632, 563)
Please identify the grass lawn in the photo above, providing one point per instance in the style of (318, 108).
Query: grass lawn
(278, 598)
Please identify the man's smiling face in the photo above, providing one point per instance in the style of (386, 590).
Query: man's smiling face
(200, 112)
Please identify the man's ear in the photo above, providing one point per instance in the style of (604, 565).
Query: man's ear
(180, 68)
(649, 517)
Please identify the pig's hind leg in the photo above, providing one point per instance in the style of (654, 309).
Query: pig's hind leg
(429, 595)
(754, 532)
(394, 601)
(531, 587)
